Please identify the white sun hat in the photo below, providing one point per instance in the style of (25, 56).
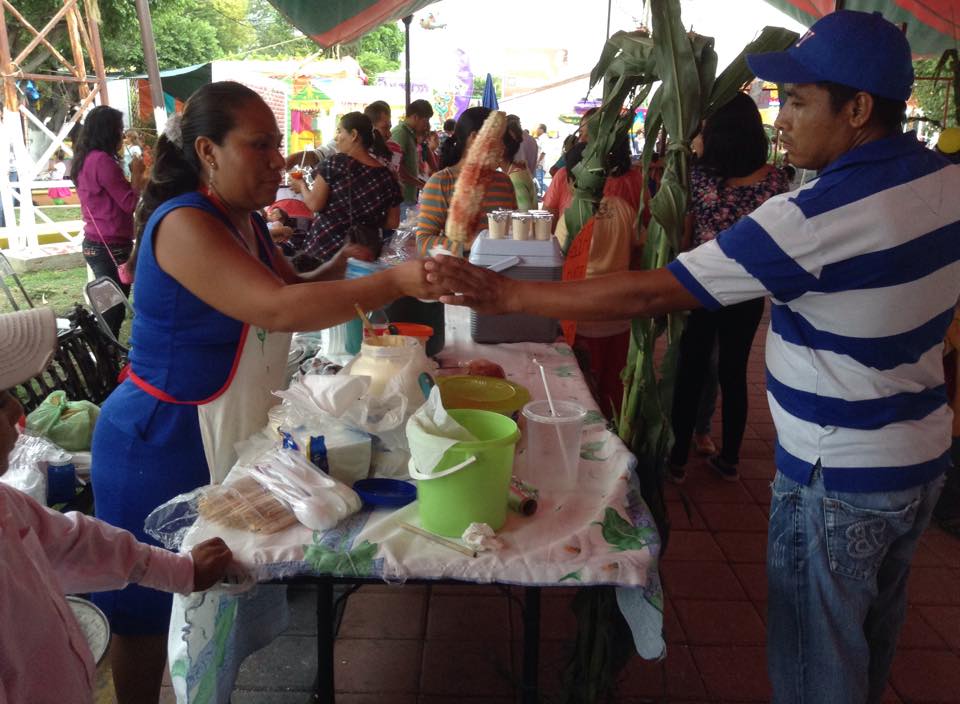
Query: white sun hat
(28, 339)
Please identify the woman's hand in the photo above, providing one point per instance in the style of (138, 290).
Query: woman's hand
(411, 280)
(464, 284)
(210, 561)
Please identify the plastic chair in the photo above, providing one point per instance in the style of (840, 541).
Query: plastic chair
(104, 295)
(6, 270)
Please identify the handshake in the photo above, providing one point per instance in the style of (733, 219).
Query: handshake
(455, 281)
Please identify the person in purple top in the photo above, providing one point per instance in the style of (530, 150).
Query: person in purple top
(107, 199)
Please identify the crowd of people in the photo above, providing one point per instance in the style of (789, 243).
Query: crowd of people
(225, 272)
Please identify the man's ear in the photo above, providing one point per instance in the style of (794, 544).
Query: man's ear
(860, 109)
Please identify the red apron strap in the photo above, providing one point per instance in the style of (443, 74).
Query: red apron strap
(152, 390)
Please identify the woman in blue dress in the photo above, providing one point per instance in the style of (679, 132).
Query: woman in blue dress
(215, 304)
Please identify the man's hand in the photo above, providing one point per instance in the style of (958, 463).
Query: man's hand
(210, 561)
(468, 285)
(411, 279)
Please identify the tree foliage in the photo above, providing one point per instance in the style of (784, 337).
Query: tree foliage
(378, 51)
(276, 38)
(932, 95)
(190, 32)
(186, 32)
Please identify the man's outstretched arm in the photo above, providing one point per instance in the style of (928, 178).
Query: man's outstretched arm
(628, 294)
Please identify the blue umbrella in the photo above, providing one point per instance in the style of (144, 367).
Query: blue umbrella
(490, 95)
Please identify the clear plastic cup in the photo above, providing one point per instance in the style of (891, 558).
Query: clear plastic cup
(498, 224)
(522, 226)
(542, 224)
(553, 443)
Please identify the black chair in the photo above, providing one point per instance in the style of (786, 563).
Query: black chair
(105, 296)
(86, 365)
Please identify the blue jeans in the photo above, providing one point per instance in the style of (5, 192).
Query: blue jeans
(837, 568)
(538, 177)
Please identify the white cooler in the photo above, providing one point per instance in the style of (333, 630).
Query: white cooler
(528, 260)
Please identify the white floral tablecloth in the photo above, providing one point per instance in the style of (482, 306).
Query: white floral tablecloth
(599, 533)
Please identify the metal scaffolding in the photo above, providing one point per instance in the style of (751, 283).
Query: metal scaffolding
(82, 26)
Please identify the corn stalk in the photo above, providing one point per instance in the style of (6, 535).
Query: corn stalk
(689, 91)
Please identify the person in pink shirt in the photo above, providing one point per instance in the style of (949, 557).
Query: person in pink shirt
(45, 554)
(107, 199)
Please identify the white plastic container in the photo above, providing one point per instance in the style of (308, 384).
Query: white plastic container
(388, 356)
(529, 260)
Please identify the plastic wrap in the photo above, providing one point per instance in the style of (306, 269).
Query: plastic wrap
(28, 462)
(401, 247)
(277, 490)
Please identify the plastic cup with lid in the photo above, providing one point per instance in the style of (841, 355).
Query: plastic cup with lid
(522, 226)
(553, 443)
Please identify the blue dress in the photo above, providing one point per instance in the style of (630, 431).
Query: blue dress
(146, 450)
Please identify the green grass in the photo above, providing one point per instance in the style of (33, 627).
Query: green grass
(59, 290)
(56, 289)
(57, 213)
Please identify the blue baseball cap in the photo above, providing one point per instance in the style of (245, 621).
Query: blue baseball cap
(861, 50)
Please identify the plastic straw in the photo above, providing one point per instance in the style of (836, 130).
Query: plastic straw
(367, 325)
(546, 388)
(553, 412)
(438, 540)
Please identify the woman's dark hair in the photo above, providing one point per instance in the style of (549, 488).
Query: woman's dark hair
(512, 139)
(572, 157)
(371, 139)
(470, 121)
(734, 143)
(102, 131)
(210, 112)
(617, 162)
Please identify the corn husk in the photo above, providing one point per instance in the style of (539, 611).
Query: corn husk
(479, 164)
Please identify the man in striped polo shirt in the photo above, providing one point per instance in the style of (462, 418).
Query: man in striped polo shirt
(863, 269)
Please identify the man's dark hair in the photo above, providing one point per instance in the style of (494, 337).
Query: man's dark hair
(887, 112)
(420, 108)
(377, 109)
(449, 125)
(542, 127)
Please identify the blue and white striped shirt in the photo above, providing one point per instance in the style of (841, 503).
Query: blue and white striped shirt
(863, 269)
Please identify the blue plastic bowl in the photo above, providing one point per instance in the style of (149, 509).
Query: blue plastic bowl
(391, 493)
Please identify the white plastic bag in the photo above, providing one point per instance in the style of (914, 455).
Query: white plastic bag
(345, 398)
(318, 501)
(28, 463)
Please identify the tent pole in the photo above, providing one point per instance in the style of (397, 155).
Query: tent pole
(153, 69)
(406, 29)
(609, 4)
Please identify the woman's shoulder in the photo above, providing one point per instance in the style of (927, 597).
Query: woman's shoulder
(190, 199)
(443, 179)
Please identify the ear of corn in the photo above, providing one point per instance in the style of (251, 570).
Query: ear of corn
(479, 164)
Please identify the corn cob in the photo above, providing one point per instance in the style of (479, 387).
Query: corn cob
(479, 164)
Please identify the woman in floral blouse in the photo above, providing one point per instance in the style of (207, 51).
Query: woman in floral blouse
(352, 192)
(731, 180)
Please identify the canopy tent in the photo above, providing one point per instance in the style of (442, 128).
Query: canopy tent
(933, 26)
(342, 21)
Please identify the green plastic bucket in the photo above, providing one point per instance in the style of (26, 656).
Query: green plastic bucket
(475, 492)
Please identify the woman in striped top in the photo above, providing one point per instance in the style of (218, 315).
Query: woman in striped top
(438, 193)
